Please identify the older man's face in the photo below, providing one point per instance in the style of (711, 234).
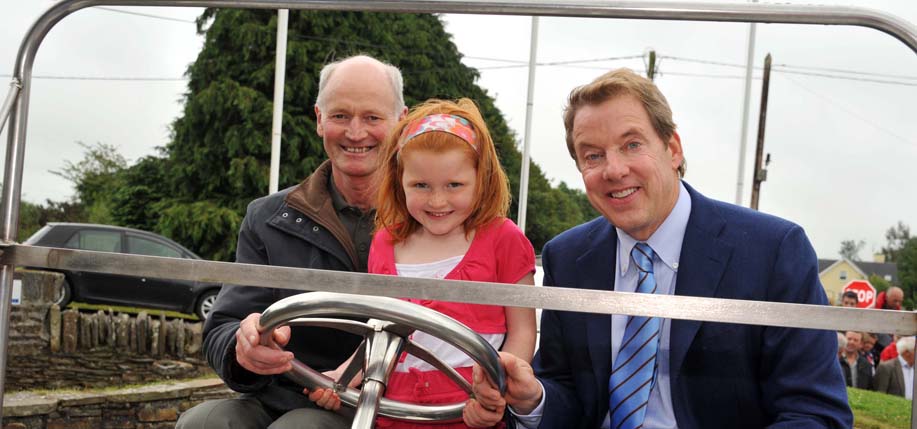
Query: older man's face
(358, 112)
(894, 298)
(908, 357)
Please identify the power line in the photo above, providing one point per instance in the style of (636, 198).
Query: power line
(146, 15)
(105, 78)
(785, 68)
(836, 70)
(851, 112)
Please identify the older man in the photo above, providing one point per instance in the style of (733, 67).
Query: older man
(324, 222)
(659, 235)
(890, 299)
(896, 376)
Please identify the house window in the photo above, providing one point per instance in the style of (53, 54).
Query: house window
(888, 277)
(843, 275)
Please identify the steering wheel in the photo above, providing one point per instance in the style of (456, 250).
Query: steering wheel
(385, 336)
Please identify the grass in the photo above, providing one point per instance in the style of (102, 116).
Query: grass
(132, 310)
(873, 410)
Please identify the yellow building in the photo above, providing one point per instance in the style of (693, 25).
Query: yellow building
(837, 273)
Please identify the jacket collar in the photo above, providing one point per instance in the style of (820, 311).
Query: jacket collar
(596, 270)
(704, 257)
(313, 199)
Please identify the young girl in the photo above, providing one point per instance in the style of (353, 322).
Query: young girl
(441, 214)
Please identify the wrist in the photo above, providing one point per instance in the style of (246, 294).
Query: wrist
(524, 407)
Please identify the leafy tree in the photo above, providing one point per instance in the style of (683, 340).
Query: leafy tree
(850, 249)
(879, 283)
(897, 236)
(34, 216)
(95, 177)
(219, 155)
(907, 269)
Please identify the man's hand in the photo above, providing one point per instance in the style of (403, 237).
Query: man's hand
(487, 407)
(523, 391)
(261, 359)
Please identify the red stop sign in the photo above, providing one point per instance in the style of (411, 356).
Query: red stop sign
(866, 294)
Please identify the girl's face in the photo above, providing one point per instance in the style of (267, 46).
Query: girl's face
(439, 189)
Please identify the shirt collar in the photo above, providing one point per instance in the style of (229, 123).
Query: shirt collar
(337, 200)
(904, 363)
(666, 241)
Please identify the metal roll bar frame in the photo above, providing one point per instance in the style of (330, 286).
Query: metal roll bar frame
(16, 107)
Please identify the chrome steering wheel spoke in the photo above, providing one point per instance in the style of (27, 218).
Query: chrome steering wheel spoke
(385, 335)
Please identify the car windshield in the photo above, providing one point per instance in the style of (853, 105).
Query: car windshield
(38, 235)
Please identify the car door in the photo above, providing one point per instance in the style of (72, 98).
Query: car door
(160, 293)
(100, 287)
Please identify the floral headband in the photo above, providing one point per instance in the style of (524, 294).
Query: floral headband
(452, 124)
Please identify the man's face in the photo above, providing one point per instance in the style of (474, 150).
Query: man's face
(894, 298)
(854, 340)
(908, 357)
(630, 173)
(358, 112)
(849, 302)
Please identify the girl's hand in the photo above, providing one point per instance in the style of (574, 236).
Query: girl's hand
(328, 398)
(325, 398)
(476, 415)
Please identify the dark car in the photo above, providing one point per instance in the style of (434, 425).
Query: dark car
(102, 288)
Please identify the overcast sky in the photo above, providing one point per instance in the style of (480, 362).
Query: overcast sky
(843, 151)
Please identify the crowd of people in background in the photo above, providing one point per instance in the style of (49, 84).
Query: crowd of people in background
(877, 361)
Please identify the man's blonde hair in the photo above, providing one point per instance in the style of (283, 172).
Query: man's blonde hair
(614, 84)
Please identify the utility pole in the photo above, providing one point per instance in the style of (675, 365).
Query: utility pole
(761, 172)
(651, 65)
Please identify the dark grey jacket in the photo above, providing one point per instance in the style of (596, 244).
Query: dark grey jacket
(296, 227)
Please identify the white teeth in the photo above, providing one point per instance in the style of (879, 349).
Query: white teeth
(357, 149)
(623, 193)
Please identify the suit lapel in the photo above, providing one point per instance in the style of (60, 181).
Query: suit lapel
(704, 256)
(593, 273)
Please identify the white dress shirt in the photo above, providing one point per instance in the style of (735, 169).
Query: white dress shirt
(908, 371)
(666, 243)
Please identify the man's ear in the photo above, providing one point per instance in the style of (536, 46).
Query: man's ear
(404, 112)
(318, 121)
(674, 148)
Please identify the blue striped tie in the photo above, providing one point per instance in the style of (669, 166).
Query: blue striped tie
(634, 374)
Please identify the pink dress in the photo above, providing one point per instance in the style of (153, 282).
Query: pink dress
(499, 253)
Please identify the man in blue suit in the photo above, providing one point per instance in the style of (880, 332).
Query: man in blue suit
(659, 235)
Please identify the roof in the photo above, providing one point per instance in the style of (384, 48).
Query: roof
(881, 269)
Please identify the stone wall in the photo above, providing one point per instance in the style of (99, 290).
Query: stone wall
(154, 406)
(50, 348)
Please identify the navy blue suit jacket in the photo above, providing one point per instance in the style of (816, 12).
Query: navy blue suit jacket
(722, 375)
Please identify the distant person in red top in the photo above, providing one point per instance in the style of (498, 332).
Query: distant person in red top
(890, 351)
(890, 299)
(441, 213)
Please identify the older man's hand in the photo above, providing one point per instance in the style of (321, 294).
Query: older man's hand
(263, 359)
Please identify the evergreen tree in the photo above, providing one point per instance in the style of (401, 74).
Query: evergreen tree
(219, 155)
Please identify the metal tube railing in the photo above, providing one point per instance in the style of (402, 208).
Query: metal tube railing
(693, 308)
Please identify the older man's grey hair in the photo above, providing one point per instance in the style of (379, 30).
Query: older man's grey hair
(394, 77)
(841, 342)
(905, 344)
